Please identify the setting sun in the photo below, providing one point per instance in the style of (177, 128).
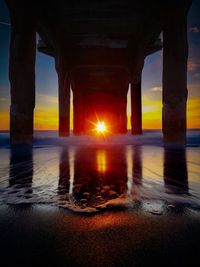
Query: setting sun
(101, 127)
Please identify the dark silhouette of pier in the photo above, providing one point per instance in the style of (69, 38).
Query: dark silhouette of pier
(99, 49)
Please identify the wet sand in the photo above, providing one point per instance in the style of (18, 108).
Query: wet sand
(42, 235)
(153, 221)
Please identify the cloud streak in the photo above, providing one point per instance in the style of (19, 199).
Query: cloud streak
(194, 29)
(193, 64)
(156, 89)
(4, 23)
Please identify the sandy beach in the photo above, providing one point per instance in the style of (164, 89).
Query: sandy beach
(48, 236)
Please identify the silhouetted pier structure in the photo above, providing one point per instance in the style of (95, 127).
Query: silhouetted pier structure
(99, 49)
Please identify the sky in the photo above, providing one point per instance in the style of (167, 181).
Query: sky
(46, 110)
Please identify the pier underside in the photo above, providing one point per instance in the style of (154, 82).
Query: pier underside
(99, 49)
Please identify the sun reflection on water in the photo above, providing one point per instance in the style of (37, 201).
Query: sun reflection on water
(101, 161)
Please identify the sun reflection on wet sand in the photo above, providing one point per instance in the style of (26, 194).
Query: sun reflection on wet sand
(72, 153)
(101, 161)
(129, 163)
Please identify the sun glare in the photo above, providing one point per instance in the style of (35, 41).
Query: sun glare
(101, 127)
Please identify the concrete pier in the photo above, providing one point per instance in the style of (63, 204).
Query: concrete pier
(175, 54)
(22, 72)
(136, 108)
(63, 96)
(98, 54)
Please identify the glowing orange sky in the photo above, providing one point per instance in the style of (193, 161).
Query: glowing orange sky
(46, 114)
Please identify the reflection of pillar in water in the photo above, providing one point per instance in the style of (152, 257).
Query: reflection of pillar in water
(134, 172)
(100, 174)
(137, 165)
(115, 169)
(129, 164)
(175, 170)
(134, 165)
(64, 172)
(72, 154)
(86, 180)
(21, 167)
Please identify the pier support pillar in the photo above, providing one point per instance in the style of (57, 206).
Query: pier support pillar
(63, 97)
(79, 113)
(175, 54)
(136, 108)
(121, 108)
(99, 94)
(22, 72)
